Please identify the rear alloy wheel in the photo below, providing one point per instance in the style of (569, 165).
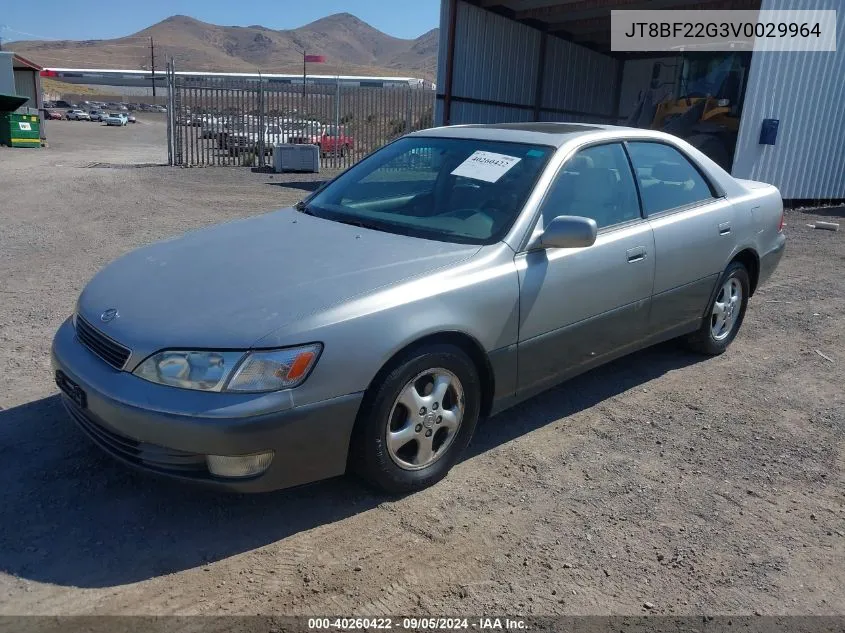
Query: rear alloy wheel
(414, 425)
(725, 313)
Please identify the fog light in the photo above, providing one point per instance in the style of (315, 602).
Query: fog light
(239, 465)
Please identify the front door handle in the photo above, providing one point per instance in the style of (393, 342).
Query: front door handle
(636, 254)
(724, 228)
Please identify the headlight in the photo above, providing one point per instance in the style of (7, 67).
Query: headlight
(244, 371)
(205, 371)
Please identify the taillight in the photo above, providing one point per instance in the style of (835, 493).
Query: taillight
(781, 223)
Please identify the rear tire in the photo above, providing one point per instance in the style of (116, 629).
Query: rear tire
(400, 450)
(725, 313)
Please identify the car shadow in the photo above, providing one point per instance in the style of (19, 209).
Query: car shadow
(72, 516)
(304, 185)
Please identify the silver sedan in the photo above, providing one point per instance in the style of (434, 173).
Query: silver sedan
(448, 276)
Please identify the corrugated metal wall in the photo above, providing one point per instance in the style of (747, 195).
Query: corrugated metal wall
(806, 92)
(25, 87)
(485, 41)
(7, 75)
(577, 78)
(497, 60)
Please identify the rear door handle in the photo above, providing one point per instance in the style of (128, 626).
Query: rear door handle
(724, 228)
(636, 254)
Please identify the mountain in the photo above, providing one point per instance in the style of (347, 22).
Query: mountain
(350, 45)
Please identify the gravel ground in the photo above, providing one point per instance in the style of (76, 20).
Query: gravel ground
(697, 485)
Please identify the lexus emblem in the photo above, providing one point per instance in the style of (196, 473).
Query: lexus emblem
(109, 315)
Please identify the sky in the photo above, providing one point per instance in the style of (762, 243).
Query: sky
(52, 19)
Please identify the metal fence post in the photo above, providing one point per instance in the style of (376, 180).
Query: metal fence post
(261, 121)
(169, 126)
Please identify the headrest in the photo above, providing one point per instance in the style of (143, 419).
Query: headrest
(670, 172)
(579, 163)
(596, 177)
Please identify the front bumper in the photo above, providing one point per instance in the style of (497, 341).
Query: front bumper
(169, 431)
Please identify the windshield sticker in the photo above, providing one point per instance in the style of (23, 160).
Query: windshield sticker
(486, 166)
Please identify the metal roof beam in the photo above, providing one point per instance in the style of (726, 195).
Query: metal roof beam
(581, 9)
(523, 5)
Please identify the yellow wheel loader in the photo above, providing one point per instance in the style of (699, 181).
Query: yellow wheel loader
(704, 106)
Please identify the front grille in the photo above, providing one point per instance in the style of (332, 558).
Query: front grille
(110, 351)
(150, 456)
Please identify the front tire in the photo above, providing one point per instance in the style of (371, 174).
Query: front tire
(417, 420)
(725, 313)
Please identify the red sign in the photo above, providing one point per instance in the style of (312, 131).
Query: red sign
(315, 58)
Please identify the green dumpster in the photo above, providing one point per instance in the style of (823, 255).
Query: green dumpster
(19, 130)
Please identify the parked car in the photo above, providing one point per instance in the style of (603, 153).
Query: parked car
(373, 324)
(63, 104)
(240, 140)
(130, 118)
(333, 140)
(97, 115)
(77, 115)
(54, 114)
(116, 118)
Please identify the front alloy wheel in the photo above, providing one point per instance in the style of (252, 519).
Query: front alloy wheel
(425, 419)
(416, 418)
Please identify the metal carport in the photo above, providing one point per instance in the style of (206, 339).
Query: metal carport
(550, 60)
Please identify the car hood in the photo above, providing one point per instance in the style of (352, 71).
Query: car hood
(229, 285)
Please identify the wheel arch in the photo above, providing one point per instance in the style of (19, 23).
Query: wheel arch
(463, 341)
(749, 258)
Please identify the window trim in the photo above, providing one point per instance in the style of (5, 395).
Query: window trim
(604, 229)
(716, 192)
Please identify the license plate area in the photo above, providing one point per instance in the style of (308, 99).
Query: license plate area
(71, 389)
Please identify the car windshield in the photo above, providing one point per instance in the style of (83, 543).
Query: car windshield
(453, 190)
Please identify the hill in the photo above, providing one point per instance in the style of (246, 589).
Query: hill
(350, 45)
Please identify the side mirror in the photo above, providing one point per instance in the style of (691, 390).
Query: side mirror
(569, 231)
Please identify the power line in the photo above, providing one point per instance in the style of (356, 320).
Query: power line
(6, 27)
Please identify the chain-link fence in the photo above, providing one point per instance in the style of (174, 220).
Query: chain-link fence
(238, 121)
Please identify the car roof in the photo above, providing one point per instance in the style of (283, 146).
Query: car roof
(538, 133)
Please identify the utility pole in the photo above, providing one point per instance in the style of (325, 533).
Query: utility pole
(153, 63)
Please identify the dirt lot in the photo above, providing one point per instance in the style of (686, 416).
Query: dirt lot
(699, 485)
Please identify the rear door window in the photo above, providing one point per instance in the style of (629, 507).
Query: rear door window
(667, 179)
